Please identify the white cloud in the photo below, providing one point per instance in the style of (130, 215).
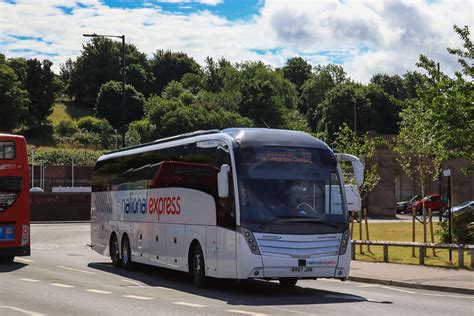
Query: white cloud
(367, 37)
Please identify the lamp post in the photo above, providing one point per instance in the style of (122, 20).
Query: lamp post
(123, 77)
(72, 172)
(33, 149)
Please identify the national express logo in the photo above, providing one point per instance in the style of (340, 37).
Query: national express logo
(159, 205)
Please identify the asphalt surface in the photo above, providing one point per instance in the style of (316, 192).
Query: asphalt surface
(64, 277)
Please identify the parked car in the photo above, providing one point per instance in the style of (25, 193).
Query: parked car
(402, 206)
(466, 206)
(432, 201)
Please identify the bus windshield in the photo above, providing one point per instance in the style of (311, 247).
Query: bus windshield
(289, 185)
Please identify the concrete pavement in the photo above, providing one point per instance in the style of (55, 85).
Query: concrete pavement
(413, 276)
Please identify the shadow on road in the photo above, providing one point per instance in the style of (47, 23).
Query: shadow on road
(11, 266)
(248, 292)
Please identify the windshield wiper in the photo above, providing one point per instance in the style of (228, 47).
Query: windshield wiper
(302, 220)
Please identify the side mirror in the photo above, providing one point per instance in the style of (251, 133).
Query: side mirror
(357, 167)
(223, 181)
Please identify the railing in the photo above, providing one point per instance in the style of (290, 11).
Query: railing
(421, 249)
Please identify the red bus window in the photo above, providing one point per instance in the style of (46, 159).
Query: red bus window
(7, 150)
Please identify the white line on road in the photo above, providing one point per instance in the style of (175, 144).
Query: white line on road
(24, 311)
(243, 312)
(369, 285)
(443, 295)
(132, 282)
(76, 270)
(24, 260)
(67, 286)
(189, 304)
(399, 290)
(98, 291)
(138, 297)
(29, 280)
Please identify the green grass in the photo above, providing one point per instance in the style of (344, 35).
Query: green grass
(67, 111)
(403, 232)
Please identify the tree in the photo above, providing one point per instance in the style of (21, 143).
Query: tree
(100, 128)
(337, 108)
(100, 62)
(140, 131)
(363, 147)
(167, 66)
(392, 85)
(41, 89)
(13, 99)
(297, 70)
(109, 104)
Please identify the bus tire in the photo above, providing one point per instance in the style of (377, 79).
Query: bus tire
(288, 282)
(197, 267)
(126, 253)
(115, 251)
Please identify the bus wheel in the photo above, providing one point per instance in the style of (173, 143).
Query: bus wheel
(126, 254)
(197, 267)
(288, 282)
(115, 251)
(7, 259)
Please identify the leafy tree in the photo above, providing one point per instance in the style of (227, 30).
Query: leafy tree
(66, 128)
(140, 131)
(392, 85)
(338, 108)
(13, 99)
(265, 95)
(41, 89)
(99, 128)
(217, 74)
(449, 102)
(297, 70)
(382, 115)
(362, 146)
(413, 80)
(167, 66)
(100, 62)
(173, 90)
(314, 90)
(109, 104)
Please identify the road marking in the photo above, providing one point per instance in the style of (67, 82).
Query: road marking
(76, 270)
(165, 288)
(62, 285)
(442, 295)
(243, 312)
(399, 290)
(98, 291)
(29, 280)
(189, 304)
(24, 260)
(24, 311)
(369, 285)
(132, 282)
(138, 297)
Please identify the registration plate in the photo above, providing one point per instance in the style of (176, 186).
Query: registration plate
(302, 269)
(7, 232)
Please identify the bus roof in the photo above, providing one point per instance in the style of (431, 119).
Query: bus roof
(240, 137)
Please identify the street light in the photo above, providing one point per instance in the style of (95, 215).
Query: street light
(123, 77)
(72, 172)
(33, 148)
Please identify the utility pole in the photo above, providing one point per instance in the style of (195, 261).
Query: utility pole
(72, 172)
(33, 149)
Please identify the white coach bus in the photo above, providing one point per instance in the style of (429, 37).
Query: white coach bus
(240, 203)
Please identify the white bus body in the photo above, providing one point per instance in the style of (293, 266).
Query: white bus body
(284, 215)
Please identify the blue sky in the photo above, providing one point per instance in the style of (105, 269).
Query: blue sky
(365, 37)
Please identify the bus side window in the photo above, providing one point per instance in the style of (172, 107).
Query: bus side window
(225, 207)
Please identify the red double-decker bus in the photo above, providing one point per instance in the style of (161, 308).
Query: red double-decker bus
(14, 198)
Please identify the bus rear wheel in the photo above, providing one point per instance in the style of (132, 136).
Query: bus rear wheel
(288, 282)
(115, 251)
(197, 267)
(126, 254)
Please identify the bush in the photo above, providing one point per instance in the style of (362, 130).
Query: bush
(462, 228)
(66, 128)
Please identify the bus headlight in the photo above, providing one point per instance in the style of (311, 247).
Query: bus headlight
(344, 242)
(250, 239)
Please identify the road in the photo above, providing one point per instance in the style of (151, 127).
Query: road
(64, 277)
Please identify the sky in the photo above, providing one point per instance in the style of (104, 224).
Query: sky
(365, 37)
